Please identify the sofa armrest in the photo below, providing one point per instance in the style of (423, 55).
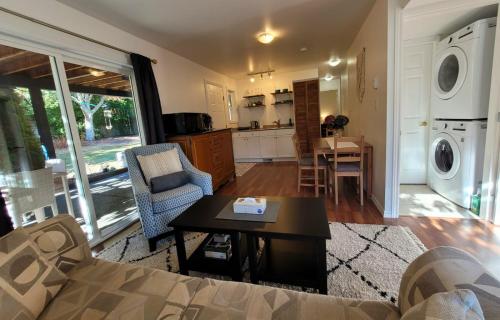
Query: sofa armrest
(201, 179)
(62, 241)
(444, 269)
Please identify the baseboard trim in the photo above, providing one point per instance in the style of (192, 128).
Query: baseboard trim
(379, 207)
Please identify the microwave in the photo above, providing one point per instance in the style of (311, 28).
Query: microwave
(186, 123)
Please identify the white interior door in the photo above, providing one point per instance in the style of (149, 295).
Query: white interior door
(216, 105)
(416, 93)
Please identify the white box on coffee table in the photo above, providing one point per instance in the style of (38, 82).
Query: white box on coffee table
(250, 205)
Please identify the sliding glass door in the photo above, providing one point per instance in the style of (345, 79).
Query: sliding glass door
(64, 127)
(34, 130)
(105, 113)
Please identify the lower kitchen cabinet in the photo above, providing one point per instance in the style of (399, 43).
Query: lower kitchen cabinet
(211, 152)
(263, 144)
(285, 147)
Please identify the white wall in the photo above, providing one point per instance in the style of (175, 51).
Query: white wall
(180, 81)
(369, 118)
(269, 113)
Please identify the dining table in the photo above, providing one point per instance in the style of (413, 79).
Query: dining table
(324, 146)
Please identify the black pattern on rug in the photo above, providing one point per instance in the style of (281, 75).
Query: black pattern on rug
(363, 261)
(363, 277)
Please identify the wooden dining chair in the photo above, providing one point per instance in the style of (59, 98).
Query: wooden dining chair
(305, 162)
(348, 161)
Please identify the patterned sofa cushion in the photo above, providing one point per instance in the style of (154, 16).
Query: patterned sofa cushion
(108, 290)
(28, 281)
(456, 305)
(235, 300)
(171, 199)
(62, 241)
(446, 269)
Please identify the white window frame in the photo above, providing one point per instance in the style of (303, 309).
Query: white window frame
(57, 57)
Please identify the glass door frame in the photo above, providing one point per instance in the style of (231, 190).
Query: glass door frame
(99, 235)
(57, 58)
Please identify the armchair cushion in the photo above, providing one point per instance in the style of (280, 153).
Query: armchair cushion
(62, 241)
(28, 281)
(171, 199)
(169, 181)
(159, 164)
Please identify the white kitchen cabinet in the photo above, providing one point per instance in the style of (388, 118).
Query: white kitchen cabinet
(239, 150)
(268, 147)
(253, 147)
(263, 144)
(285, 147)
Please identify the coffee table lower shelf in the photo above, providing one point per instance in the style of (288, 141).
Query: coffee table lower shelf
(291, 262)
(198, 262)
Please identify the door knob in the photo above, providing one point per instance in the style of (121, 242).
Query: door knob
(423, 124)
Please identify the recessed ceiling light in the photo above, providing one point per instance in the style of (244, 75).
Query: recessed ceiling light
(252, 79)
(328, 77)
(334, 62)
(96, 73)
(303, 49)
(265, 37)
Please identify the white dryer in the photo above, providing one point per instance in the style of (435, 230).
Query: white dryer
(456, 159)
(462, 72)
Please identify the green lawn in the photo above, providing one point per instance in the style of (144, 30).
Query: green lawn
(95, 155)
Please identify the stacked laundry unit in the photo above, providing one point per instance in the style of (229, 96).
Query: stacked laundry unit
(459, 109)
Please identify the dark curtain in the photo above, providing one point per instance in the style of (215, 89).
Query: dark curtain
(147, 92)
(5, 222)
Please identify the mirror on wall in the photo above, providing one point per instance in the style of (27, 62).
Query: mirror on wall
(329, 100)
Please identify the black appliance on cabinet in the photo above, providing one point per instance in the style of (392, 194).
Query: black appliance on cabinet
(186, 123)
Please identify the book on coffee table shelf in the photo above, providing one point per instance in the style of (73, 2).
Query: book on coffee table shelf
(219, 237)
(220, 250)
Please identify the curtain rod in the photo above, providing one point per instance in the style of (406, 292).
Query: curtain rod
(45, 24)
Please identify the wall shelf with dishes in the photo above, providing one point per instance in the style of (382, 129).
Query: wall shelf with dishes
(282, 97)
(253, 101)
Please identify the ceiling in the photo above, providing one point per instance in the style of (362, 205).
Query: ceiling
(428, 18)
(221, 34)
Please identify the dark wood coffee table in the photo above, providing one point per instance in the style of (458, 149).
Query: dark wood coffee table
(295, 245)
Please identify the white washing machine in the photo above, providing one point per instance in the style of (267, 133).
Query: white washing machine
(456, 159)
(462, 72)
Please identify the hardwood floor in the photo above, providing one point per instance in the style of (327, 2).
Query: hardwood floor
(482, 239)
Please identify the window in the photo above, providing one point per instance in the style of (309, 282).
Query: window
(232, 109)
(66, 123)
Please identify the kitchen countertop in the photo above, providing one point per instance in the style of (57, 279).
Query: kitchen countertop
(263, 129)
(197, 133)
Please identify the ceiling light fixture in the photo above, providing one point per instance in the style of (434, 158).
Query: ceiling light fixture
(328, 77)
(334, 62)
(96, 73)
(303, 49)
(260, 74)
(265, 37)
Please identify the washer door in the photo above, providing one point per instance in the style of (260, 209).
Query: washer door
(445, 156)
(450, 71)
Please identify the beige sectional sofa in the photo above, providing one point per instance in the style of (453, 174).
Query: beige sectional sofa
(445, 283)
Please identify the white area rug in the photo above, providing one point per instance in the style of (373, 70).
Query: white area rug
(243, 167)
(422, 201)
(363, 261)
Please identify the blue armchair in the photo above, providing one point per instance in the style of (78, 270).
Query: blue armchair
(157, 210)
